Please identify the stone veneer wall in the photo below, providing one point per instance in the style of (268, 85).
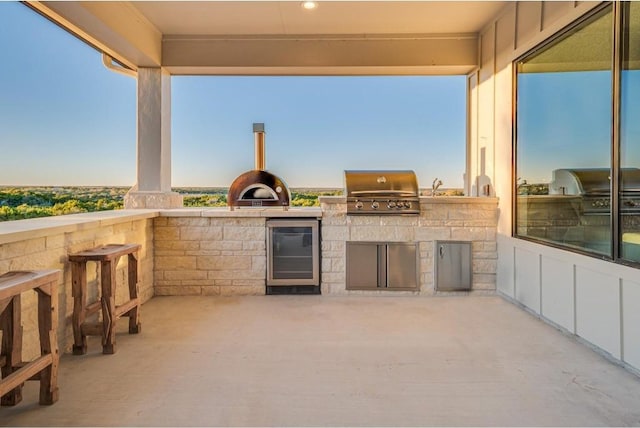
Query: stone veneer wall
(195, 255)
(441, 218)
(210, 255)
(47, 247)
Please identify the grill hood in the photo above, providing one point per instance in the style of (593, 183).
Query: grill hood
(380, 183)
(593, 186)
(382, 192)
(592, 181)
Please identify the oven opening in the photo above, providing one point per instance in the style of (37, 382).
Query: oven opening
(259, 191)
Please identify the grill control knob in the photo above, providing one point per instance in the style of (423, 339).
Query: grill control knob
(407, 204)
(391, 204)
(375, 205)
(359, 205)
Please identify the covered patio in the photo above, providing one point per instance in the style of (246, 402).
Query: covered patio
(545, 336)
(337, 361)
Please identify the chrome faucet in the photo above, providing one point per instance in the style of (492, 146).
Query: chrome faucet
(434, 186)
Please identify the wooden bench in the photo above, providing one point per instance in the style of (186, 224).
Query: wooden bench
(108, 257)
(44, 368)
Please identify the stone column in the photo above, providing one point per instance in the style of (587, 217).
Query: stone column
(153, 187)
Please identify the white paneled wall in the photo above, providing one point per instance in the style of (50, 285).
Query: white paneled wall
(598, 309)
(631, 321)
(594, 299)
(557, 292)
(553, 11)
(527, 283)
(485, 151)
(472, 137)
(502, 141)
(597, 300)
(505, 274)
(528, 21)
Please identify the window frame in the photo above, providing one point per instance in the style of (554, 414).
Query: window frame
(619, 12)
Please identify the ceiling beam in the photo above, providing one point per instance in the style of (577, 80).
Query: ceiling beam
(116, 28)
(322, 71)
(188, 54)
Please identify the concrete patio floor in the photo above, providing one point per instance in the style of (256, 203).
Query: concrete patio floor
(327, 361)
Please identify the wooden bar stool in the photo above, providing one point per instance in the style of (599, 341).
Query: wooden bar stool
(108, 257)
(44, 368)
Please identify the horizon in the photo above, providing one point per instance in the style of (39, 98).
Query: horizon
(293, 188)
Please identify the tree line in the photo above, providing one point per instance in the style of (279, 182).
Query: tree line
(29, 202)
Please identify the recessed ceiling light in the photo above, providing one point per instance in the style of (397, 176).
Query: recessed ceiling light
(309, 5)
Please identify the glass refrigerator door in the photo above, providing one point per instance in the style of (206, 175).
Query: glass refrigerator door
(293, 253)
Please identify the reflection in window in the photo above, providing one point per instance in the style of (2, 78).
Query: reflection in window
(564, 139)
(630, 135)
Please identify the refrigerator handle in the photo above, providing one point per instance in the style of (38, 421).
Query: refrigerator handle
(441, 251)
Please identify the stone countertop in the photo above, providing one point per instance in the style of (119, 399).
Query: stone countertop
(458, 200)
(332, 199)
(273, 212)
(20, 230)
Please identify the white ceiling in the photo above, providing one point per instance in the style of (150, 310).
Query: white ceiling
(281, 37)
(330, 17)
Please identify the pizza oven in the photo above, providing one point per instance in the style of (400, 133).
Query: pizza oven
(258, 187)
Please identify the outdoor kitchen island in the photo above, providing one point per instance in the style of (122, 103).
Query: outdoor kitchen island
(215, 251)
(223, 252)
(441, 218)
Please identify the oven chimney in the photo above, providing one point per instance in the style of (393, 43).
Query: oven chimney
(258, 135)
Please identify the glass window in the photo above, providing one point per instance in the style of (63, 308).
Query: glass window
(563, 137)
(630, 135)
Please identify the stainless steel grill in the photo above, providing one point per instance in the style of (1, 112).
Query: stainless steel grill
(594, 186)
(380, 192)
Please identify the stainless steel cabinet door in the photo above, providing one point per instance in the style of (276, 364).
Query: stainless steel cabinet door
(379, 265)
(362, 265)
(453, 265)
(402, 265)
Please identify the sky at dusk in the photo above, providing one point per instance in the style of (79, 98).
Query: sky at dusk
(572, 132)
(67, 120)
(564, 121)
